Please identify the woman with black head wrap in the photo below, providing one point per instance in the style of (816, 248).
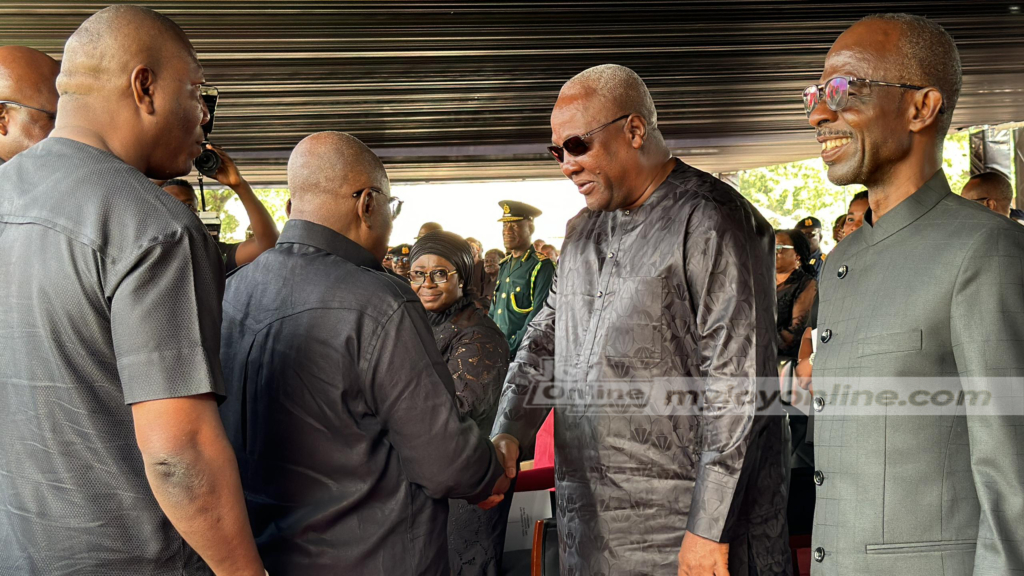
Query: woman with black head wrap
(477, 356)
(796, 285)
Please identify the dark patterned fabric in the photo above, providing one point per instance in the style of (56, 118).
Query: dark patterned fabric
(477, 356)
(928, 298)
(680, 288)
(341, 412)
(795, 298)
(112, 295)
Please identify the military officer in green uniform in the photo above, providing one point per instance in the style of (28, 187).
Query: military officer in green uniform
(524, 277)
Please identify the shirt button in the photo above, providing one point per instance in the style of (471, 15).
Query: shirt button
(819, 554)
(826, 336)
(819, 402)
(819, 477)
(842, 271)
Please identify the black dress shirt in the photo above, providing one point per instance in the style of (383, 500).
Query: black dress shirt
(341, 413)
(111, 291)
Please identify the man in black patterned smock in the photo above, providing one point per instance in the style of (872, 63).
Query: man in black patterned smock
(665, 290)
(525, 275)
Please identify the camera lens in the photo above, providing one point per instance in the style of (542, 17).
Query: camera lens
(208, 162)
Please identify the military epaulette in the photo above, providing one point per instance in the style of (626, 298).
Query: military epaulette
(540, 256)
(505, 259)
(824, 257)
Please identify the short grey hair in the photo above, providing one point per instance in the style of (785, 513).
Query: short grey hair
(927, 56)
(619, 85)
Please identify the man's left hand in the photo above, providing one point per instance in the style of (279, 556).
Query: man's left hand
(227, 174)
(702, 557)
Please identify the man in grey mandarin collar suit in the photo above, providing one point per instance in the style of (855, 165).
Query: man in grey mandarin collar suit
(928, 293)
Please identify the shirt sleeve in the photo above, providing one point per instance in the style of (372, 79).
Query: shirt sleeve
(541, 286)
(478, 364)
(518, 415)
(411, 392)
(165, 314)
(723, 262)
(987, 329)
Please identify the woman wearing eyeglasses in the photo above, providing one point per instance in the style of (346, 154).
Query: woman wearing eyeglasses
(795, 287)
(477, 355)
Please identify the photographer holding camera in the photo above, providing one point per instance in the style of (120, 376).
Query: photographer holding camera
(263, 227)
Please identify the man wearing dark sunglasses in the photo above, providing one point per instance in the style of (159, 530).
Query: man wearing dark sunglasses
(923, 301)
(28, 98)
(668, 275)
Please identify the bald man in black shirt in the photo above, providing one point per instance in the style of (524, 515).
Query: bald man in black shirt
(114, 460)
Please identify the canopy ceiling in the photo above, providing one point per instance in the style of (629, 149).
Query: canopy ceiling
(463, 90)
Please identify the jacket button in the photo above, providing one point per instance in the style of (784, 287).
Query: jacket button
(819, 402)
(842, 271)
(611, 254)
(600, 294)
(819, 477)
(826, 336)
(819, 554)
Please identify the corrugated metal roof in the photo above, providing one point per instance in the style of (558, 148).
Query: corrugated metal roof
(463, 90)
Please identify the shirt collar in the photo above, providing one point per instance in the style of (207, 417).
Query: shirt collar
(323, 238)
(907, 211)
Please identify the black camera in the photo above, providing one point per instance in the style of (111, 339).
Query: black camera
(208, 162)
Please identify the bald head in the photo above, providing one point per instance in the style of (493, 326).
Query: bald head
(27, 77)
(992, 190)
(613, 88)
(102, 54)
(337, 182)
(328, 166)
(130, 83)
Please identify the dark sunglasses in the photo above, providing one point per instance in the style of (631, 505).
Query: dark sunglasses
(836, 92)
(439, 276)
(577, 145)
(394, 204)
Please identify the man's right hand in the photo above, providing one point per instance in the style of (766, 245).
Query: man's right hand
(508, 453)
(507, 449)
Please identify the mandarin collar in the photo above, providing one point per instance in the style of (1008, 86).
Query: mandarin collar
(907, 211)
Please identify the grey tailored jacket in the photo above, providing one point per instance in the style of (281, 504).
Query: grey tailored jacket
(677, 294)
(929, 298)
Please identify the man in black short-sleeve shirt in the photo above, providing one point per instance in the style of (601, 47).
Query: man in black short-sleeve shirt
(109, 364)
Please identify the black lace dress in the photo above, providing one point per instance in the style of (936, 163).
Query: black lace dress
(795, 300)
(477, 356)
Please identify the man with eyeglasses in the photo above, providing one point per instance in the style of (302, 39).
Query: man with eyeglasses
(340, 407)
(992, 190)
(28, 98)
(665, 290)
(114, 459)
(923, 301)
(399, 259)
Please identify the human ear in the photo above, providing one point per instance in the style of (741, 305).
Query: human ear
(928, 104)
(142, 81)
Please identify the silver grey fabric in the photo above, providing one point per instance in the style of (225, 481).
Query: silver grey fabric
(681, 288)
(111, 295)
(933, 289)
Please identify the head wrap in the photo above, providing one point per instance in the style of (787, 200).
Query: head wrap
(452, 248)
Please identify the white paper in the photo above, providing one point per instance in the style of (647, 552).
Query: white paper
(527, 508)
